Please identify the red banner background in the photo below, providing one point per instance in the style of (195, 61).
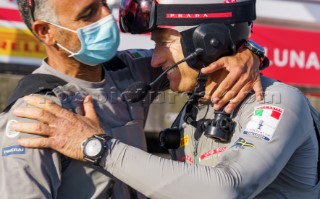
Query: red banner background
(294, 54)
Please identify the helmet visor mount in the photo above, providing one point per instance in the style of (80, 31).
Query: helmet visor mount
(137, 16)
(142, 16)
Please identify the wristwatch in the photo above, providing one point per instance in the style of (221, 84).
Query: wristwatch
(259, 51)
(94, 147)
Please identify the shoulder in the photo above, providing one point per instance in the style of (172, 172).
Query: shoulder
(138, 62)
(284, 95)
(135, 54)
(278, 94)
(283, 104)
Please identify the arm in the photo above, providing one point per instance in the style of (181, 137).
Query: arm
(234, 177)
(245, 170)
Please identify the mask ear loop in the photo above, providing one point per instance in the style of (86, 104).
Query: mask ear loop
(67, 50)
(59, 26)
(59, 45)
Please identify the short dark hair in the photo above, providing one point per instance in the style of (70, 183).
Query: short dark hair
(25, 13)
(42, 10)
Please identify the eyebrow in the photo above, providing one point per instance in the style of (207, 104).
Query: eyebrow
(85, 10)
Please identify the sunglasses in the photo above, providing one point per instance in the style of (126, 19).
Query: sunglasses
(142, 16)
(31, 8)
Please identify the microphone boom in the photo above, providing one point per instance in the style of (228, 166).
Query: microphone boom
(138, 90)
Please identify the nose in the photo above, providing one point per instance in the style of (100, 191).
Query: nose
(158, 58)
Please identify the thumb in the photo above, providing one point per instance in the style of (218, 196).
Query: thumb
(89, 110)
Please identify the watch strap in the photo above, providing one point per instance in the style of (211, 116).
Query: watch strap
(259, 52)
(264, 60)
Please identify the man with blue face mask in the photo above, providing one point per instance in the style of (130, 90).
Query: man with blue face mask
(80, 37)
(99, 41)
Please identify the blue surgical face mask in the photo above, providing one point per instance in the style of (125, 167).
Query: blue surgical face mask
(99, 41)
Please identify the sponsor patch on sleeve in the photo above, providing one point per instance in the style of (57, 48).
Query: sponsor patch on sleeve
(264, 122)
(13, 150)
(242, 143)
(9, 132)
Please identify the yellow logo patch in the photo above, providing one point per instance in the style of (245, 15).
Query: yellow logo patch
(184, 141)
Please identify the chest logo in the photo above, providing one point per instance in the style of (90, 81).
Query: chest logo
(184, 141)
(186, 158)
(211, 153)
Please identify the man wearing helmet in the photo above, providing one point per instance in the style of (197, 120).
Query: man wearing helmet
(80, 37)
(262, 150)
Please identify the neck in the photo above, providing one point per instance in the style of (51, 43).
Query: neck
(73, 68)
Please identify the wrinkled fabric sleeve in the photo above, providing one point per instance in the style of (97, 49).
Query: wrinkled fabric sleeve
(26, 173)
(243, 172)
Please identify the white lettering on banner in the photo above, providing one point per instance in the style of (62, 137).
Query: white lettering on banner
(297, 59)
(294, 59)
(313, 61)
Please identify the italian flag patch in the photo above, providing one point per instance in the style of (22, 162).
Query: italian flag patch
(134, 54)
(264, 122)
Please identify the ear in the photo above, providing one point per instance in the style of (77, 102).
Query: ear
(44, 32)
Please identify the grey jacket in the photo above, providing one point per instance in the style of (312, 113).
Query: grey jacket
(33, 173)
(272, 154)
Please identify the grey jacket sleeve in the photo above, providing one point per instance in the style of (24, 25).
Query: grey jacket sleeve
(25, 173)
(245, 169)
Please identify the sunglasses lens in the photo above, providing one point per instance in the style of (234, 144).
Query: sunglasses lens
(134, 16)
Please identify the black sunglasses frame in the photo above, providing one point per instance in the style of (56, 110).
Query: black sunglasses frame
(142, 16)
(31, 6)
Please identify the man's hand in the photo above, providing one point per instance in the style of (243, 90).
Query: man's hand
(65, 130)
(243, 75)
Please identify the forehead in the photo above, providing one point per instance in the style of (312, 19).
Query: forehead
(165, 34)
(71, 7)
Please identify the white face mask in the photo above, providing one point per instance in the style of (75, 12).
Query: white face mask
(99, 41)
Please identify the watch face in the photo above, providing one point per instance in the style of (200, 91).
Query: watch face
(93, 148)
(257, 46)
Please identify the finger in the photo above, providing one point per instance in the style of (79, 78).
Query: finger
(32, 128)
(237, 92)
(225, 85)
(233, 92)
(89, 109)
(35, 114)
(257, 87)
(217, 65)
(35, 142)
(49, 106)
(233, 103)
(224, 100)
